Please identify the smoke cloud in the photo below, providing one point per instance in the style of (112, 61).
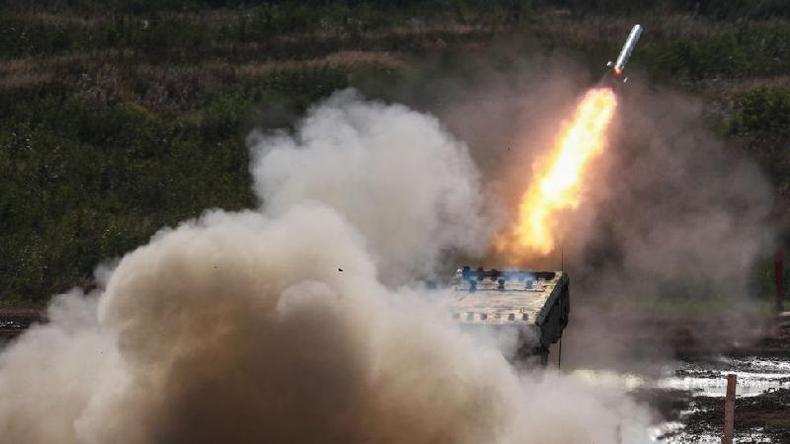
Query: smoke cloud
(276, 325)
(683, 208)
(385, 168)
(668, 205)
(669, 212)
(676, 219)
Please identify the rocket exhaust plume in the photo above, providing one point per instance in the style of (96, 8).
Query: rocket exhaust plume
(559, 186)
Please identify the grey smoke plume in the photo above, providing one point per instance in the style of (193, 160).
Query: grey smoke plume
(672, 212)
(675, 215)
(668, 212)
(683, 207)
(240, 327)
(667, 209)
(667, 203)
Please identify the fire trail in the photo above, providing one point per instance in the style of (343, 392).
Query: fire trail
(559, 186)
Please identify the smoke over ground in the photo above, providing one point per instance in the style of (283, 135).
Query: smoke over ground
(241, 327)
(397, 175)
(682, 209)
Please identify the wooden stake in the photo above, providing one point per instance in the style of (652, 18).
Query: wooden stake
(559, 355)
(729, 410)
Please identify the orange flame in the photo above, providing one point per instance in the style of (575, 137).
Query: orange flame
(558, 187)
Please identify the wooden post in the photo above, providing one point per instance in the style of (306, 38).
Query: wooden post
(559, 355)
(729, 410)
(779, 275)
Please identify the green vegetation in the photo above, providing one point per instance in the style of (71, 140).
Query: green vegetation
(763, 111)
(84, 180)
(120, 117)
(732, 51)
(760, 119)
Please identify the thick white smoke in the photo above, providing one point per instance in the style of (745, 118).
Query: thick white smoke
(241, 327)
(395, 174)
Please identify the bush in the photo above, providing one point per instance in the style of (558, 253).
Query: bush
(724, 51)
(762, 110)
(81, 182)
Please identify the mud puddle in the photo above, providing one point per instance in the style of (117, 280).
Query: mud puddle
(688, 398)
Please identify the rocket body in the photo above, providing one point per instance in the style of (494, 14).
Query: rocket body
(628, 48)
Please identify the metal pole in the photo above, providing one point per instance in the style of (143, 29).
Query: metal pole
(779, 275)
(562, 256)
(729, 410)
(559, 355)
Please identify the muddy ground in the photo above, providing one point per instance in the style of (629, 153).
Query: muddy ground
(756, 418)
(678, 366)
(689, 403)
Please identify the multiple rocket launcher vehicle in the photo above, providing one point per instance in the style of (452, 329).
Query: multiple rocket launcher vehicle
(535, 305)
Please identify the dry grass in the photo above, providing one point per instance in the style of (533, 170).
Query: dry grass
(719, 94)
(116, 76)
(712, 88)
(597, 28)
(48, 19)
(32, 71)
(22, 73)
(341, 60)
(24, 81)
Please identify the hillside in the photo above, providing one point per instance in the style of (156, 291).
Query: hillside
(119, 121)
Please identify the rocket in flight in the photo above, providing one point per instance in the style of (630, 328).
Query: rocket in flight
(618, 66)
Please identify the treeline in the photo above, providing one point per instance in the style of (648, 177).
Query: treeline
(193, 37)
(715, 9)
(399, 8)
(718, 9)
(760, 121)
(762, 111)
(693, 50)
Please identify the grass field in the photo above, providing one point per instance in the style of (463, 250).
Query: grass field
(117, 121)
